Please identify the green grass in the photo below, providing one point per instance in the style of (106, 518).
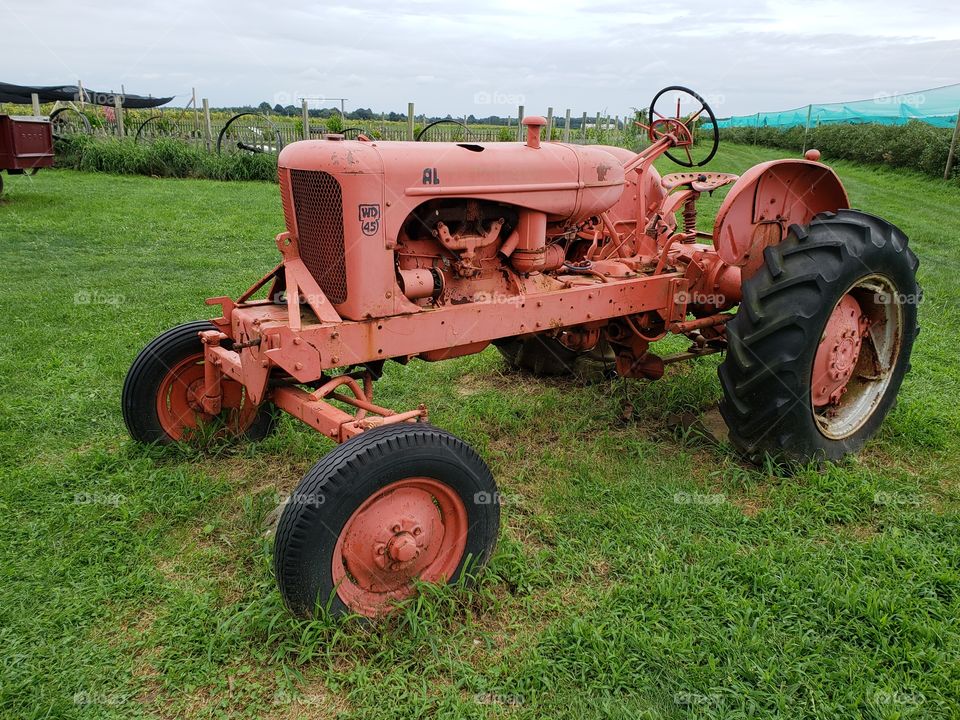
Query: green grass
(640, 573)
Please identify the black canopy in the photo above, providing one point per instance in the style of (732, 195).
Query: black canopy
(20, 94)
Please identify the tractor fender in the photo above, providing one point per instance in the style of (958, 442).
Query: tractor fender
(766, 201)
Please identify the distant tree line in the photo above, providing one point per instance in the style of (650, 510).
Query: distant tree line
(368, 114)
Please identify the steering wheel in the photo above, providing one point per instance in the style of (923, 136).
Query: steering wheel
(682, 126)
(467, 135)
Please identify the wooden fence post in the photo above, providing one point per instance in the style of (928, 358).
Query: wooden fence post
(83, 97)
(36, 104)
(306, 118)
(583, 128)
(207, 128)
(566, 126)
(953, 149)
(520, 122)
(806, 128)
(409, 121)
(196, 113)
(118, 112)
(549, 124)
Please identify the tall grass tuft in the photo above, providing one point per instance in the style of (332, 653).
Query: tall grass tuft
(162, 158)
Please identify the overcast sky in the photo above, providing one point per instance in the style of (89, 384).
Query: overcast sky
(486, 58)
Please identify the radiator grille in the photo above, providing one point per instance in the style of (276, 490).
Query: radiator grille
(284, 177)
(318, 205)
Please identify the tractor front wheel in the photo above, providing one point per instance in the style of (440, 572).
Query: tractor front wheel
(388, 507)
(163, 388)
(822, 339)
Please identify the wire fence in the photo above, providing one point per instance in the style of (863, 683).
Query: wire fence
(937, 106)
(216, 130)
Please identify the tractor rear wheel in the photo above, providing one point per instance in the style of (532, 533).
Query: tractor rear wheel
(392, 505)
(161, 394)
(545, 356)
(822, 339)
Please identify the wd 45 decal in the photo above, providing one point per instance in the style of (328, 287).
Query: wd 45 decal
(370, 219)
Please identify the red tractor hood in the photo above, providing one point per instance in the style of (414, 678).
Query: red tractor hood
(567, 182)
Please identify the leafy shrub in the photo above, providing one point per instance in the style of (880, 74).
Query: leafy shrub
(916, 145)
(162, 158)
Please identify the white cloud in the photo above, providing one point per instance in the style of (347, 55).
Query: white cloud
(587, 56)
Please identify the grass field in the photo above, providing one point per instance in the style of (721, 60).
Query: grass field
(641, 572)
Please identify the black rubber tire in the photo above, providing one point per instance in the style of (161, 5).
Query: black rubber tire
(766, 375)
(339, 483)
(147, 372)
(544, 356)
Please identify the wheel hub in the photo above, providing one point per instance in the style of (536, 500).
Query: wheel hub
(180, 401)
(414, 528)
(195, 394)
(403, 548)
(838, 352)
(393, 540)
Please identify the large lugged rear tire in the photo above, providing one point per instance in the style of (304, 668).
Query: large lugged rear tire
(393, 504)
(159, 400)
(822, 339)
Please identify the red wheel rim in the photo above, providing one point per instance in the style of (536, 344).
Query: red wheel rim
(412, 528)
(855, 359)
(838, 352)
(178, 401)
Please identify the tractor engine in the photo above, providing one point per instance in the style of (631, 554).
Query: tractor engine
(394, 228)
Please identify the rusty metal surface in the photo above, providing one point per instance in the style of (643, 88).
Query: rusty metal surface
(766, 200)
(26, 143)
(431, 251)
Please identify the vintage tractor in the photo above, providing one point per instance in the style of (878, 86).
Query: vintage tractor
(554, 253)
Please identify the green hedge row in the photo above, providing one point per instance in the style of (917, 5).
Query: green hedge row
(162, 158)
(915, 145)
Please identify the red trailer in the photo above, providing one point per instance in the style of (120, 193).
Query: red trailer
(26, 143)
